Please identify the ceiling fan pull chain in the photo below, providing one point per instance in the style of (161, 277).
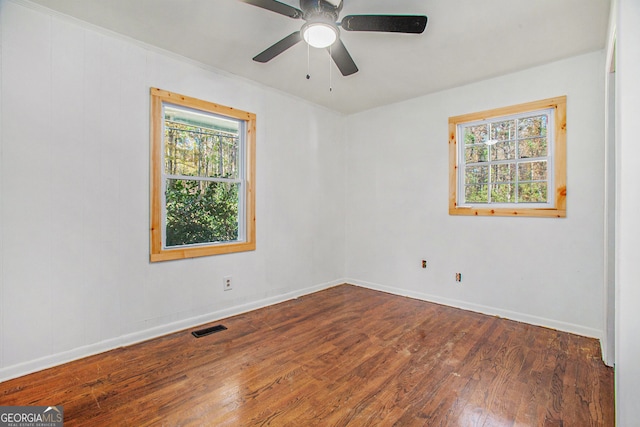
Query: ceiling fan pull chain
(308, 68)
(330, 75)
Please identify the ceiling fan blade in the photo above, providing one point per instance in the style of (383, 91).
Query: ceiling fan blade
(277, 7)
(414, 24)
(343, 60)
(276, 49)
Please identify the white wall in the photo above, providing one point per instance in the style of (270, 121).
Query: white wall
(539, 270)
(628, 225)
(74, 195)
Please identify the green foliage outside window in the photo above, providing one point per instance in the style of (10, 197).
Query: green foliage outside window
(201, 212)
(202, 192)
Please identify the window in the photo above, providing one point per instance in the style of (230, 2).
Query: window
(509, 161)
(202, 178)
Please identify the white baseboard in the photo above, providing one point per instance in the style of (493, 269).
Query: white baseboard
(492, 311)
(35, 365)
(28, 367)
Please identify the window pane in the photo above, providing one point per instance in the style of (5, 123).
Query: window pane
(503, 193)
(503, 150)
(476, 153)
(475, 134)
(200, 144)
(503, 173)
(534, 147)
(532, 126)
(476, 175)
(534, 192)
(532, 171)
(201, 212)
(503, 131)
(476, 193)
(193, 152)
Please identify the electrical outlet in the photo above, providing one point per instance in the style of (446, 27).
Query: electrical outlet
(458, 277)
(227, 284)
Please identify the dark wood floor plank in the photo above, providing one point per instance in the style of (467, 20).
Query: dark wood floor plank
(346, 356)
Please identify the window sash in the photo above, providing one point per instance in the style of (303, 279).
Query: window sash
(241, 180)
(516, 161)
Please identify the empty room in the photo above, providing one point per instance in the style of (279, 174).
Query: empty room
(319, 212)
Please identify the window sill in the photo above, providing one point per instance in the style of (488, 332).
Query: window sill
(488, 211)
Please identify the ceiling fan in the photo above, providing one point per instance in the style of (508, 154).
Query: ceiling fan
(322, 30)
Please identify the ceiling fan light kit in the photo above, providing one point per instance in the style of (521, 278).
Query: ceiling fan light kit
(321, 28)
(319, 34)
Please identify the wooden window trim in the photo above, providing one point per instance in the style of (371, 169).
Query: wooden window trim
(559, 104)
(157, 252)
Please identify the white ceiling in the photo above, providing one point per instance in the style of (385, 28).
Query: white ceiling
(465, 41)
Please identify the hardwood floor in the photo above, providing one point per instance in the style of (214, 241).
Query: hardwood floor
(343, 356)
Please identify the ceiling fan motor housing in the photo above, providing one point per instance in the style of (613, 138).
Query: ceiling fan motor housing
(320, 11)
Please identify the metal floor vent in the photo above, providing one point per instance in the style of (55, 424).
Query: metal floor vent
(208, 331)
